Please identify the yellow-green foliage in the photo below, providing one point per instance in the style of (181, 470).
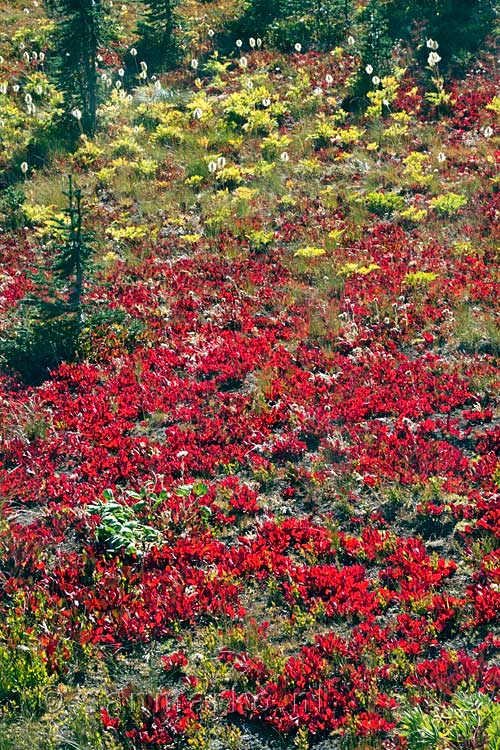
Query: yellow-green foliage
(87, 729)
(37, 36)
(496, 477)
(106, 174)
(126, 146)
(438, 98)
(308, 167)
(329, 197)
(413, 214)
(323, 133)
(115, 110)
(17, 128)
(300, 95)
(201, 104)
(130, 234)
(260, 121)
(310, 252)
(382, 203)
(264, 168)
(327, 132)
(348, 135)
(420, 278)
(415, 165)
(243, 196)
(301, 740)
(41, 89)
(216, 68)
(471, 719)
(384, 95)
(218, 212)
(191, 239)
(88, 154)
(335, 238)
(169, 132)
(463, 247)
(194, 181)
(230, 177)
(494, 105)
(397, 128)
(286, 202)
(24, 675)
(395, 131)
(274, 145)
(350, 269)
(156, 113)
(45, 219)
(448, 204)
(127, 170)
(245, 110)
(259, 239)
(146, 168)
(402, 118)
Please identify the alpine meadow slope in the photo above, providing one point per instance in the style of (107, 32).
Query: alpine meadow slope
(249, 376)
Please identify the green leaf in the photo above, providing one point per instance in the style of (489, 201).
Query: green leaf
(200, 489)
(184, 490)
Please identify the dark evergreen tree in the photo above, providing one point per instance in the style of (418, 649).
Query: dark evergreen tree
(259, 15)
(75, 251)
(375, 49)
(376, 42)
(316, 22)
(80, 31)
(47, 327)
(158, 44)
(460, 26)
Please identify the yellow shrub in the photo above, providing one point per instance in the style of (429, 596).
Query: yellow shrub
(415, 163)
(350, 269)
(310, 252)
(414, 214)
(494, 105)
(131, 234)
(448, 204)
(88, 153)
(420, 278)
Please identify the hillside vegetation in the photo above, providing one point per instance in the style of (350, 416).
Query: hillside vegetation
(249, 382)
